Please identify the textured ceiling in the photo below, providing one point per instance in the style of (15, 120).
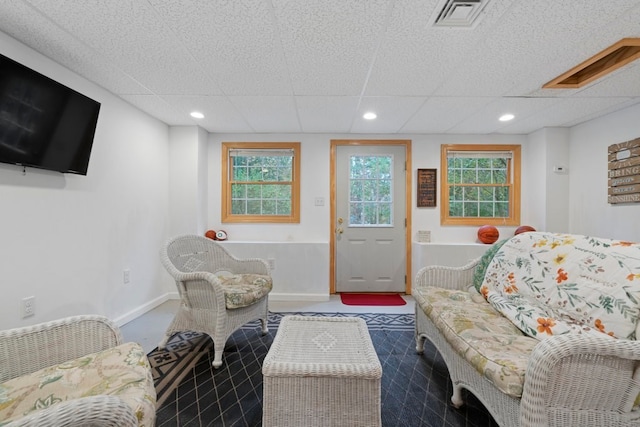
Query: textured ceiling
(318, 65)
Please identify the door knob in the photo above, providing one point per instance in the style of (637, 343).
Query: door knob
(339, 230)
(340, 220)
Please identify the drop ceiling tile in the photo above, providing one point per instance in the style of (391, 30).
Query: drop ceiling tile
(568, 112)
(333, 55)
(486, 120)
(220, 115)
(237, 43)
(22, 22)
(518, 43)
(158, 108)
(330, 44)
(438, 115)
(415, 58)
(128, 34)
(602, 108)
(326, 113)
(268, 113)
(392, 112)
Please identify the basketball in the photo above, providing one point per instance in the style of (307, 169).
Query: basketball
(523, 229)
(210, 234)
(488, 234)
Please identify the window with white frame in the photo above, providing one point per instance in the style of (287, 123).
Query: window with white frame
(480, 184)
(260, 182)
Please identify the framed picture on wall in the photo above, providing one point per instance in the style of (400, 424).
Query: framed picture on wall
(427, 188)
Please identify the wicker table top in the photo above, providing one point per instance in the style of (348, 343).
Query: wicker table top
(322, 346)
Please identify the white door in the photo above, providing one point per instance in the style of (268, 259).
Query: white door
(370, 247)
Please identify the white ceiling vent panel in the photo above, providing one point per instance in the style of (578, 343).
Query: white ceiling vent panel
(459, 13)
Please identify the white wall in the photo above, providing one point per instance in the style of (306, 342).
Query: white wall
(590, 213)
(188, 180)
(426, 154)
(533, 197)
(66, 239)
(545, 189)
(290, 245)
(315, 220)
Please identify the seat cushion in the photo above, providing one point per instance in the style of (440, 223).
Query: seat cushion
(493, 345)
(243, 290)
(121, 371)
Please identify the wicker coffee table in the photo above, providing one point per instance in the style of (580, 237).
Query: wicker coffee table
(321, 371)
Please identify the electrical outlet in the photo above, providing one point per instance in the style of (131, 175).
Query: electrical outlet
(28, 307)
(272, 263)
(126, 276)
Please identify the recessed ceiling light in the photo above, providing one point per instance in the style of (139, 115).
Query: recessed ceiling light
(197, 115)
(370, 115)
(506, 117)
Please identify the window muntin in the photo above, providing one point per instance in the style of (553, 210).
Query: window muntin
(371, 191)
(261, 182)
(480, 184)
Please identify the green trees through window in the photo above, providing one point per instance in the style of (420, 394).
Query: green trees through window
(370, 190)
(480, 184)
(261, 182)
(488, 199)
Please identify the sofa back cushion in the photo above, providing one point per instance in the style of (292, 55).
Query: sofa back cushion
(550, 284)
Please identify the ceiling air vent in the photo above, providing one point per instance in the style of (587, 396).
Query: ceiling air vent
(459, 13)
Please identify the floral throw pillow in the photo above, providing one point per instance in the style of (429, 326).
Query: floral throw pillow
(481, 268)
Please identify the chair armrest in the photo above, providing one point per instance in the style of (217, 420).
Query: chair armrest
(98, 411)
(27, 349)
(572, 378)
(458, 278)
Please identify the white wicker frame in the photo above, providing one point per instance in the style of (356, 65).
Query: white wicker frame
(571, 380)
(301, 387)
(28, 349)
(202, 307)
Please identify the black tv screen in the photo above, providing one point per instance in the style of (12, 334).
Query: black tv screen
(43, 123)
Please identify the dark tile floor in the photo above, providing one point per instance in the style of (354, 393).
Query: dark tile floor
(415, 388)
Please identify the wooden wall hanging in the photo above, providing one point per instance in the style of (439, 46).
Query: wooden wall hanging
(427, 180)
(624, 172)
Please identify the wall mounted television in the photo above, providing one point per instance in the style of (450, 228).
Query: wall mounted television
(44, 124)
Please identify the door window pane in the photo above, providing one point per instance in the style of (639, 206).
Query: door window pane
(371, 191)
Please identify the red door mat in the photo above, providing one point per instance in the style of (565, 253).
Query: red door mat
(372, 299)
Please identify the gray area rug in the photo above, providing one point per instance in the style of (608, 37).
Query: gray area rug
(415, 388)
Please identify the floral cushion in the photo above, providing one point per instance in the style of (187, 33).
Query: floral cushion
(481, 268)
(550, 284)
(121, 371)
(242, 290)
(480, 335)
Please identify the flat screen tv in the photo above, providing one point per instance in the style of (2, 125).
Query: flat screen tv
(44, 124)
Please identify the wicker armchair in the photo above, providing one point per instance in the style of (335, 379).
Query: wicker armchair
(219, 293)
(32, 349)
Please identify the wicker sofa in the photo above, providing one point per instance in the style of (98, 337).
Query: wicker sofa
(542, 329)
(75, 371)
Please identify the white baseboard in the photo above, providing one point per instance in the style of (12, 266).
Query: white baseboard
(275, 296)
(139, 311)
